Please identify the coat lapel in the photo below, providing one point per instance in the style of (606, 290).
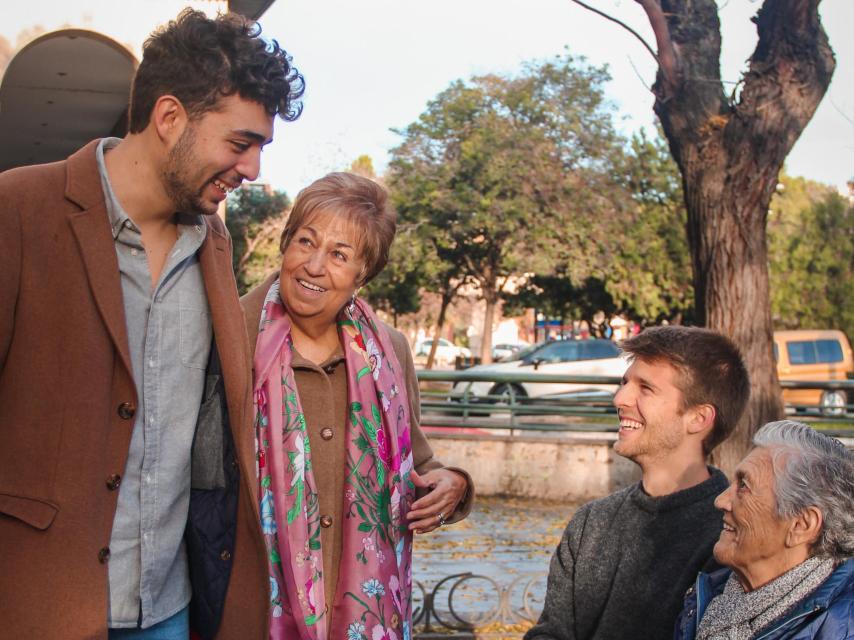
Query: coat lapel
(91, 228)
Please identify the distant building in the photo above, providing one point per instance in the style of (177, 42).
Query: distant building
(66, 67)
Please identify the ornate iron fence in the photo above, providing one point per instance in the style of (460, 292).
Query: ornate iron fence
(470, 605)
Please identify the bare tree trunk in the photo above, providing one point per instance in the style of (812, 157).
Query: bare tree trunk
(732, 292)
(437, 331)
(730, 152)
(491, 298)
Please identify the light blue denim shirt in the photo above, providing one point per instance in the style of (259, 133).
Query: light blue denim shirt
(169, 334)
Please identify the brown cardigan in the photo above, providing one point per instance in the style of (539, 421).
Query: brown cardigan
(318, 384)
(66, 405)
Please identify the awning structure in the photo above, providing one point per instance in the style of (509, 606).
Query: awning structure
(250, 8)
(66, 88)
(60, 91)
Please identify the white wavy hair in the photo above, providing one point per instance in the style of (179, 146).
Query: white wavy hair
(813, 470)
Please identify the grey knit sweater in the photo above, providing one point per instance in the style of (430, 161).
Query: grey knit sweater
(625, 562)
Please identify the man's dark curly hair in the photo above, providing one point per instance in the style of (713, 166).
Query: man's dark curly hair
(199, 60)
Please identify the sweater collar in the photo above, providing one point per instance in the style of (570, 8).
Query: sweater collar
(714, 485)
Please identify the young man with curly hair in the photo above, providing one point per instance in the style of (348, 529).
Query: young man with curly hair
(625, 561)
(119, 325)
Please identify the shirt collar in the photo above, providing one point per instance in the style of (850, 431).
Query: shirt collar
(299, 362)
(117, 215)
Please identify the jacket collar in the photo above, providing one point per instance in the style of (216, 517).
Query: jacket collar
(82, 180)
(91, 228)
(842, 577)
(710, 585)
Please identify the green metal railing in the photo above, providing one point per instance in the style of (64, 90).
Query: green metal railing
(447, 400)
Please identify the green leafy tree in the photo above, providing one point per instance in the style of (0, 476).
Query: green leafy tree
(811, 257)
(648, 272)
(255, 218)
(557, 297)
(504, 173)
(397, 288)
(363, 166)
(641, 268)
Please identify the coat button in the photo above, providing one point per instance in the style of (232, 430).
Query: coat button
(126, 410)
(225, 555)
(114, 481)
(325, 521)
(104, 555)
(326, 433)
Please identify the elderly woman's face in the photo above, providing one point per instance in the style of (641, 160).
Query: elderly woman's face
(320, 268)
(753, 540)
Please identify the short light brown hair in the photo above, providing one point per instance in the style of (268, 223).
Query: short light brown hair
(711, 367)
(363, 202)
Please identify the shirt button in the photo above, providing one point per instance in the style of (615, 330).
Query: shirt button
(225, 556)
(126, 410)
(325, 521)
(326, 433)
(114, 481)
(104, 555)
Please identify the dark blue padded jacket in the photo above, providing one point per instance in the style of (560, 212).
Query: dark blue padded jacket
(827, 614)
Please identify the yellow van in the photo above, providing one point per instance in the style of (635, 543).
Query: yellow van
(812, 354)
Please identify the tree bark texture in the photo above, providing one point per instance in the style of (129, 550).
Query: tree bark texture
(491, 299)
(730, 150)
(440, 323)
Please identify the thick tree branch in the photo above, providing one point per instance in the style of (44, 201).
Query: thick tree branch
(667, 60)
(789, 73)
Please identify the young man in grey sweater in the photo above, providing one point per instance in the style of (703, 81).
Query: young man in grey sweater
(625, 561)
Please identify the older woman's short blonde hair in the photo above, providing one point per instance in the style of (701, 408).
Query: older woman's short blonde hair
(363, 202)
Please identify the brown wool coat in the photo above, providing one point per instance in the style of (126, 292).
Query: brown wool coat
(323, 395)
(66, 390)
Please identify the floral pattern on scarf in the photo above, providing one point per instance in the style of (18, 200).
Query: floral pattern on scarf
(373, 598)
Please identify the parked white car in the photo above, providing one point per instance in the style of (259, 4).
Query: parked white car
(446, 351)
(503, 350)
(564, 357)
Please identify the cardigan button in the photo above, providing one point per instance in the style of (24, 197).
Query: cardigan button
(225, 555)
(326, 433)
(126, 410)
(325, 521)
(114, 481)
(104, 555)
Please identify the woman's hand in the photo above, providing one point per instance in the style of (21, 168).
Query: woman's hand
(446, 487)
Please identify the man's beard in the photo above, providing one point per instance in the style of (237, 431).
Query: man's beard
(177, 178)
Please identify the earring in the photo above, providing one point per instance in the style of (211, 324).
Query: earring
(352, 304)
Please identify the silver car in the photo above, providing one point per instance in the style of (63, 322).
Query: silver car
(563, 357)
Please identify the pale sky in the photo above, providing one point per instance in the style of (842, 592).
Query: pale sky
(373, 65)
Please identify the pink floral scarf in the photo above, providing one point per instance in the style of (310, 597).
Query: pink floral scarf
(372, 600)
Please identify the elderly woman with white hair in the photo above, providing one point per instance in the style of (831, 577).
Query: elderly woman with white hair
(787, 543)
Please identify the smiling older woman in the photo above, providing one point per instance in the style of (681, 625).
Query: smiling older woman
(788, 540)
(340, 452)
